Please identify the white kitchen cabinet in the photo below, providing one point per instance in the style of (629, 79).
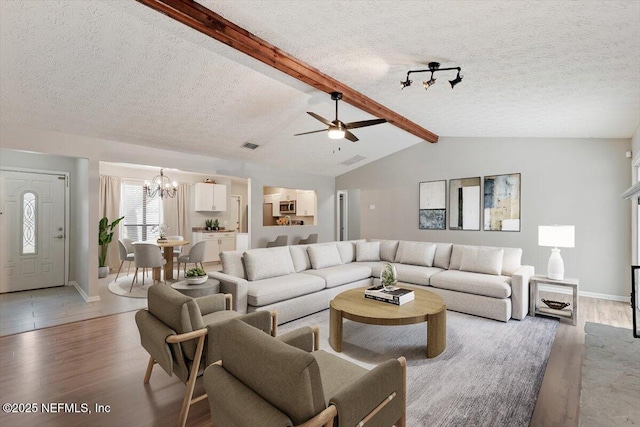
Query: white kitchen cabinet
(210, 197)
(288, 194)
(216, 243)
(275, 204)
(306, 203)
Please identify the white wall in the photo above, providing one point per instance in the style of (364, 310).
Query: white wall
(564, 181)
(96, 150)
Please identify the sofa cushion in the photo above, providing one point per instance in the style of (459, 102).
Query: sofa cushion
(512, 261)
(368, 251)
(388, 249)
(347, 251)
(375, 266)
(270, 262)
(479, 259)
(281, 288)
(415, 274)
(442, 257)
(342, 274)
(232, 264)
(300, 257)
(456, 256)
(473, 283)
(418, 253)
(324, 255)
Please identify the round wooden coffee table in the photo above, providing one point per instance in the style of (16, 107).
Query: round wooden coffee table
(426, 307)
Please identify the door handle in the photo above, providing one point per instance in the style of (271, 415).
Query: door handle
(59, 237)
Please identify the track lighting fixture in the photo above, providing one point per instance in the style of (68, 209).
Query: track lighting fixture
(433, 67)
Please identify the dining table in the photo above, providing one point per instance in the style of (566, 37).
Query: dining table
(167, 248)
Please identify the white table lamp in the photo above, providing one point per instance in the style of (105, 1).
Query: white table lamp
(556, 236)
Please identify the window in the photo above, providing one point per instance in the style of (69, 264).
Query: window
(29, 223)
(141, 213)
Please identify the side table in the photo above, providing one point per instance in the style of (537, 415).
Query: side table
(537, 307)
(210, 287)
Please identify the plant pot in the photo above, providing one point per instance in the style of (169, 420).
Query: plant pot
(196, 280)
(208, 228)
(103, 272)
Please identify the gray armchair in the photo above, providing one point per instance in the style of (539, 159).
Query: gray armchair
(279, 382)
(180, 332)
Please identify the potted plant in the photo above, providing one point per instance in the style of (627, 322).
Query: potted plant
(195, 276)
(209, 224)
(105, 235)
(216, 224)
(389, 277)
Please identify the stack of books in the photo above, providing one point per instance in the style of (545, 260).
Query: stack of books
(397, 296)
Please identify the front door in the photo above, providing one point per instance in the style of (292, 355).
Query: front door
(32, 234)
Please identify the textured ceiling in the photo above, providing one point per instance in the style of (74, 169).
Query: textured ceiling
(119, 70)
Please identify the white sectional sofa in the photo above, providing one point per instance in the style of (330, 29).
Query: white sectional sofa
(301, 280)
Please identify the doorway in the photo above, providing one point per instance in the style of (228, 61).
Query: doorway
(33, 222)
(235, 212)
(342, 231)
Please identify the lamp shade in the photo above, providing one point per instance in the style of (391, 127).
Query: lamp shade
(556, 236)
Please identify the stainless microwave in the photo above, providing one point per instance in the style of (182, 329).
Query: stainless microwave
(287, 206)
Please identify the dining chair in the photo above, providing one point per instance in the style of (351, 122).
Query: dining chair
(195, 255)
(147, 255)
(280, 241)
(313, 238)
(125, 247)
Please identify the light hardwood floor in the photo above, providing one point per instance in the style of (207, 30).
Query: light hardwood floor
(100, 361)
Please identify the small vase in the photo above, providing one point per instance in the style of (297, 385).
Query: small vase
(103, 272)
(389, 286)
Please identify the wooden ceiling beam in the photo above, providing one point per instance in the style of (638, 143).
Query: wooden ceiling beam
(213, 25)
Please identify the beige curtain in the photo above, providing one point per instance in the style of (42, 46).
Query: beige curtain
(109, 206)
(175, 212)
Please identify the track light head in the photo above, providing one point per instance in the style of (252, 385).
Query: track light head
(428, 83)
(405, 83)
(455, 81)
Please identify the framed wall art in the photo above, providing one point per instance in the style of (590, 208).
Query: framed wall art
(502, 202)
(433, 205)
(464, 204)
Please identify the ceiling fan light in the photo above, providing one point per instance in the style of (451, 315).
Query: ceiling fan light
(336, 133)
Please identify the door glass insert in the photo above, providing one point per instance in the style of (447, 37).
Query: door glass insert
(29, 223)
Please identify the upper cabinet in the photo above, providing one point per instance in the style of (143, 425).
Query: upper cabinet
(288, 194)
(210, 197)
(306, 203)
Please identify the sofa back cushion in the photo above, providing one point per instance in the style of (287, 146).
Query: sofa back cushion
(418, 253)
(367, 251)
(285, 376)
(388, 249)
(512, 261)
(324, 255)
(480, 259)
(267, 263)
(232, 264)
(347, 251)
(443, 255)
(300, 257)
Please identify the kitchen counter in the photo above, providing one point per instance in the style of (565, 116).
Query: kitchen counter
(204, 230)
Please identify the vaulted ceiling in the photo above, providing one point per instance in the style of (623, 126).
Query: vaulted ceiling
(120, 70)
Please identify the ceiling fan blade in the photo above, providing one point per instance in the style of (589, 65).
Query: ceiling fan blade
(364, 123)
(313, 131)
(351, 137)
(317, 117)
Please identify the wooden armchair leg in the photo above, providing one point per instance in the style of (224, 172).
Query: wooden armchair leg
(274, 323)
(147, 374)
(316, 338)
(191, 384)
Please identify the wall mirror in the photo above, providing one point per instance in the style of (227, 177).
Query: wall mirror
(464, 204)
(288, 206)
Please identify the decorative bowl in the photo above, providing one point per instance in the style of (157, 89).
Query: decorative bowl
(556, 305)
(196, 280)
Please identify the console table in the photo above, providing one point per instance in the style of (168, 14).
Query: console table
(537, 307)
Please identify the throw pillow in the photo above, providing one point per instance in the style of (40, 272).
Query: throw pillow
(418, 253)
(347, 251)
(388, 249)
(324, 255)
(267, 263)
(300, 257)
(368, 251)
(443, 255)
(232, 264)
(512, 261)
(456, 256)
(478, 259)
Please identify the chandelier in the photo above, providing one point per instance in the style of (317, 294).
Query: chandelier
(433, 68)
(161, 186)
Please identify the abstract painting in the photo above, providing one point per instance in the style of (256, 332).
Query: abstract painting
(433, 205)
(502, 202)
(464, 204)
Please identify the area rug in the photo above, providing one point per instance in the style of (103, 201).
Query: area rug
(489, 375)
(610, 391)
(123, 284)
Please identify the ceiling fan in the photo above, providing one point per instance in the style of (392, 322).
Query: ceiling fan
(337, 128)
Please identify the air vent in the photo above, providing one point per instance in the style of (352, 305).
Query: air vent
(250, 145)
(352, 160)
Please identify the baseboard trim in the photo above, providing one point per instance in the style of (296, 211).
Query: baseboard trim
(567, 291)
(83, 294)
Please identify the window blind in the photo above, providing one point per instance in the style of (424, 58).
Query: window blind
(142, 214)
